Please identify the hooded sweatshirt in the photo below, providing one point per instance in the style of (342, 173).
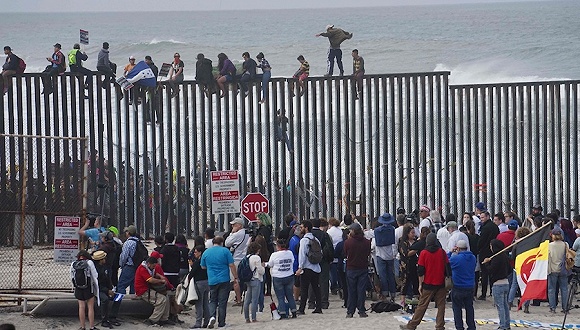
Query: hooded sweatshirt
(357, 250)
(500, 265)
(432, 263)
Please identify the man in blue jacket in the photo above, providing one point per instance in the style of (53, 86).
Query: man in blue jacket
(462, 263)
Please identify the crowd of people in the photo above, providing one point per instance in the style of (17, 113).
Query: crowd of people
(204, 75)
(401, 259)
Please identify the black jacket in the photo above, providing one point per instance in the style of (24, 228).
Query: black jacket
(489, 231)
(499, 266)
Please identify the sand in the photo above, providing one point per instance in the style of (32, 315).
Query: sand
(333, 318)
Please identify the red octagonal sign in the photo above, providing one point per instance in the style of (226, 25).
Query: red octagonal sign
(254, 203)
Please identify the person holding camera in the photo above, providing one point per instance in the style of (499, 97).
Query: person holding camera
(237, 241)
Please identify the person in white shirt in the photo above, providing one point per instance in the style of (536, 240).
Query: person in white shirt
(335, 233)
(209, 235)
(237, 241)
(454, 237)
(255, 284)
(281, 267)
(424, 212)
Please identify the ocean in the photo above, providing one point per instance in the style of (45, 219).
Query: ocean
(478, 43)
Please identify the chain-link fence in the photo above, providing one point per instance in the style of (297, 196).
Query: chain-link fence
(42, 178)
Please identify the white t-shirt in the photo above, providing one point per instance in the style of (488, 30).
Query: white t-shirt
(336, 234)
(280, 263)
(443, 237)
(398, 233)
(455, 237)
(256, 267)
(424, 223)
(502, 227)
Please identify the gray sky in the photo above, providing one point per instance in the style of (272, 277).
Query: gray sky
(175, 5)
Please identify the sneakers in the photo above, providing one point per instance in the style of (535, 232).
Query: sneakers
(149, 322)
(363, 315)
(211, 323)
(482, 298)
(317, 311)
(349, 315)
(106, 324)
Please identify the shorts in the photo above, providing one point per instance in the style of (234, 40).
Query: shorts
(303, 76)
(236, 263)
(83, 294)
(296, 281)
(229, 78)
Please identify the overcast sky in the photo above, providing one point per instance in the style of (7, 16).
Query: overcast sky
(176, 5)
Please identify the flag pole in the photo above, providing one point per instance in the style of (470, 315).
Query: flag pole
(509, 247)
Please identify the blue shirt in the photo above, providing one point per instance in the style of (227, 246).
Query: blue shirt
(217, 260)
(462, 269)
(293, 246)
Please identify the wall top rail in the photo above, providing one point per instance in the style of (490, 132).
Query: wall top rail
(45, 136)
(520, 83)
(312, 78)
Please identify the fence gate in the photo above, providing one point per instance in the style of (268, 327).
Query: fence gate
(41, 177)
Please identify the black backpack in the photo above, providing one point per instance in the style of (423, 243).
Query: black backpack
(245, 273)
(81, 274)
(385, 306)
(328, 248)
(314, 251)
(140, 254)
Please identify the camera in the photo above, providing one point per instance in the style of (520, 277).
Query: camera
(413, 217)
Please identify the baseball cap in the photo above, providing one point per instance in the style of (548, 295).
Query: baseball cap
(57, 45)
(114, 230)
(329, 26)
(538, 207)
(131, 229)
(108, 235)
(156, 255)
(556, 231)
(131, 57)
(237, 220)
(99, 255)
(480, 206)
(452, 224)
(354, 226)
(577, 231)
(462, 244)
(176, 55)
(513, 224)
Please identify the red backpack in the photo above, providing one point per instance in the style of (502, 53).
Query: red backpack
(21, 66)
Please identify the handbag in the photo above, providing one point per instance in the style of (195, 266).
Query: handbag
(181, 292)
(159, 288)
(448, 279)
(570, 255)
(191, 293)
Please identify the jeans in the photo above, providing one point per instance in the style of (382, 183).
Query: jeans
(265, 79)
(218, 301)
(126, 279)
(309, 278)
(108, 73)
(104, 305)
(332, 54)
(49, 77)
(281, 135)
(202, 304)
(244, 81)
(283, 289)
(500, 298)
(334, 276)
(252, 295)
(513, 288)
(463, 298)
(562, 281)
(386, 271)
(484, 279)
(84, 71)
(357, 280)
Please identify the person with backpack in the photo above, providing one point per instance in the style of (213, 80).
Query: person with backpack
(309, 258)
(386, 251)
(56, 67)
(253, 263)
(357, 250)
(9, 68)
(108, 246)
(237, 241)
(319, 227)
(86, 285)
(132, 254)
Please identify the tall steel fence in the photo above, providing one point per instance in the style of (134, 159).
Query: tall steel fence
(408, 139)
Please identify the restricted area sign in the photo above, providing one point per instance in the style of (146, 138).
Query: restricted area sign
(66, 238)
(225, 192)
(254, 203)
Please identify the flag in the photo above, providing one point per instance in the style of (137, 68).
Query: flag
(532, 265)
(142, 75)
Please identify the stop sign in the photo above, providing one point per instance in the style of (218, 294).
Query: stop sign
(254, 203)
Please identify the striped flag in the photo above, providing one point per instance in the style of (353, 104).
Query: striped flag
(142, 75)
(532, 265)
